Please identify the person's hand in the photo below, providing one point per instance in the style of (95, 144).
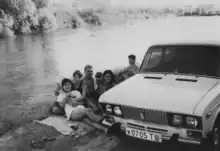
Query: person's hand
(57, 93)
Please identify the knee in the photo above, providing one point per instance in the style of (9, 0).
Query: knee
(88, 110)
(56, 110)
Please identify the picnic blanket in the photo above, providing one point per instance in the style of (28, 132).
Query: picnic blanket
(65, 127)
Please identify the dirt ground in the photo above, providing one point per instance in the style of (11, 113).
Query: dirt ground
(38, 137)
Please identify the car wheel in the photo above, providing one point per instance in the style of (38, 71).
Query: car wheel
(213, 141)
(216, 137)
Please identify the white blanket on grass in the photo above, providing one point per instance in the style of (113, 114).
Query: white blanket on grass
(62, 125)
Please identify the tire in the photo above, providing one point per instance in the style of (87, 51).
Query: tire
(213, 142)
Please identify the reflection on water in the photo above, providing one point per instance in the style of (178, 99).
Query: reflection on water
(27, 68)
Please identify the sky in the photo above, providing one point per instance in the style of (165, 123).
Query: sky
(134, 3)
(163, 2)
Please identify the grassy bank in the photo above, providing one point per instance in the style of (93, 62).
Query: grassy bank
(13, 116)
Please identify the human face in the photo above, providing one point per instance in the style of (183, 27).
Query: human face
(98, 80)
(108, 78)
(131, 61)
(67, 87)
(89, 72)
(76, 77)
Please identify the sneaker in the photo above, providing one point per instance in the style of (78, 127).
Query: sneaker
(114, 129)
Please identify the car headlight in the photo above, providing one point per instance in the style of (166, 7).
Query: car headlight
(108, 108)
(117, 111)
(177, 120)
(191, 122)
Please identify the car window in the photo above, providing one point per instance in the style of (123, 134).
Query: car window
(195, 59)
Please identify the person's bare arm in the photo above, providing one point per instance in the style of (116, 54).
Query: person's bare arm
(83, 96)
(57, 90)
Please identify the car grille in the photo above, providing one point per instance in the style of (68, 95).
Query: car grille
(152, 116)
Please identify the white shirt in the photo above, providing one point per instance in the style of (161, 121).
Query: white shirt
(62, 95)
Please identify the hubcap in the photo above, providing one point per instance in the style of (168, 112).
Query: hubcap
(216, 139)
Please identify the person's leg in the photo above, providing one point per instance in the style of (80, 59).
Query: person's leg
(56, 109)
(90, 104)
(74, 113)
(76, 117)
(92, 116)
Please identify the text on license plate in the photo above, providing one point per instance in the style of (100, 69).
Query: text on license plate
(143, 135)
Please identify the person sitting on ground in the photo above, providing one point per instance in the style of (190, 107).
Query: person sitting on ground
(99, 79)
(67, 101)
(132, 64)
(88, 85)
(77, 75)
(65, 87)
(123, 75)
(127, 74)
(109, 82)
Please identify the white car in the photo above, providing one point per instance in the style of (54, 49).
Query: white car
(175, 95)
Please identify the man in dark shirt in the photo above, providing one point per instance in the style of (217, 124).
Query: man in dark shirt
(88, 85)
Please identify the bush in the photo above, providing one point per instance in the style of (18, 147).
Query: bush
(26, 8)
(41, 3)
(66, 20)
(47, 20)
(90, 17)
(10, 6)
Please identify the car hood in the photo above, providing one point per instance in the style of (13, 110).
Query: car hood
(171, 93)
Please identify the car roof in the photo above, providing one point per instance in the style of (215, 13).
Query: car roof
(185, 43)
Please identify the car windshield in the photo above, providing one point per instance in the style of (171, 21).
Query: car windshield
(193, 60)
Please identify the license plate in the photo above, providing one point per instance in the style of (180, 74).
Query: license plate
(143, 135)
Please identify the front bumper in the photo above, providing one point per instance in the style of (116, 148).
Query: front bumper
(167, 132)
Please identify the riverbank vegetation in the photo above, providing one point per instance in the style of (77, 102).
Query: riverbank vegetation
(34, 16)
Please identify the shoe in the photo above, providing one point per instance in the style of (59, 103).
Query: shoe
(114, 129)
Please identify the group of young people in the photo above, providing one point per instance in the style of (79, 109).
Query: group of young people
(78, 97)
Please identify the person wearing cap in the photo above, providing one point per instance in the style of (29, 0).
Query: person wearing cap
(132, 64)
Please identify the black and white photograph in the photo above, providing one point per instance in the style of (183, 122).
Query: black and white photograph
(109, 75)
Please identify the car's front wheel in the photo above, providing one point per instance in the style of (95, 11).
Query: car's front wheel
(213, 142)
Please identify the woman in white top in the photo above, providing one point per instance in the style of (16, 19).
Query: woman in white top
(74, 110)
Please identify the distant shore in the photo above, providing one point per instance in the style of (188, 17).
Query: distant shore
(32, 16)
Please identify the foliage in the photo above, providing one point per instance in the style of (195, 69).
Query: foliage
(47, 20)
(90, 17)
(41, 3)
(26, 8)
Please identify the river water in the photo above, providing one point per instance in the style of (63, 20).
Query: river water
(30, 65)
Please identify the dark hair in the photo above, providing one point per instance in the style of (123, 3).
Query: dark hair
(77, 72)
(111, 73)
(132, 57)
(128, 72)
(66, 80)
(87, 67)
(98, 75)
